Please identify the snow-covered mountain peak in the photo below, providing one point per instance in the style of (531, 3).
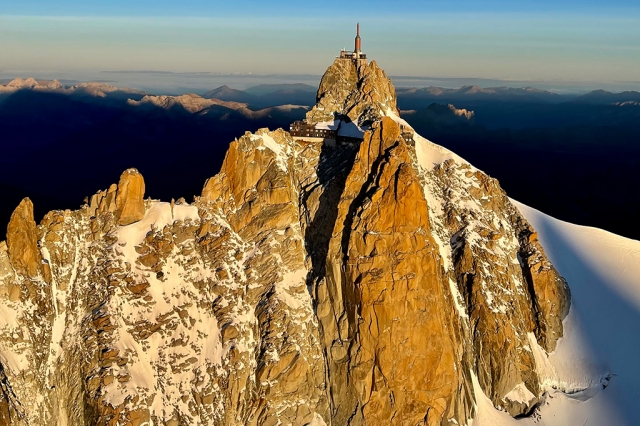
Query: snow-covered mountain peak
(381, 282)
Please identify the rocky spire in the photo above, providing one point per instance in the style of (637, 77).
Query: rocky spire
(388, 282)
(356, 90)
(22, 241)
(130, 197)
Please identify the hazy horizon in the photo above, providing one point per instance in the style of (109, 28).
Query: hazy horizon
(176, 83)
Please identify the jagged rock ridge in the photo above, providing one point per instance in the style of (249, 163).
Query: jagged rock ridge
(361, 284)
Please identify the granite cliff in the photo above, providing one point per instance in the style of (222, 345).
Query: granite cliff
(377, 283)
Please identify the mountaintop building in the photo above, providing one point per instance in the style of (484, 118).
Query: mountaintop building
(329, 133)
(337, 130)
(357, 52)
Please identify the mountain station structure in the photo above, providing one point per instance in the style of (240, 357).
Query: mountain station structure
(337, 131)
(357, 51)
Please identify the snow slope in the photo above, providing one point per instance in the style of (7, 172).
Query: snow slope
(602, 331)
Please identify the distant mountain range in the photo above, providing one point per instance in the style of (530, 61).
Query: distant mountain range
(266, 89)
(410, 98)
(76, 137)
(420, 98)
(519, 108)
(602, 97)
(526, 94)
(226, 93)
(63, 131)
(266, 95)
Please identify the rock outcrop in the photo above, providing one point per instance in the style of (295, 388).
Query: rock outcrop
(357, 90)
(130, 197)
(383, 272)
(492, 257)
(22, 241)
(363, 284)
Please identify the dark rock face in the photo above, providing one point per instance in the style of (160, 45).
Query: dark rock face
(362, 284)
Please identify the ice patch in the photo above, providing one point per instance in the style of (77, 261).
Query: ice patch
(281, 152)
(392, 115)
(158, 216)
(8, 316)
(285, 289)
(351, 130)
(457, 299)
(270, 143)
(328, 125)
(430, 155)
(520, 394)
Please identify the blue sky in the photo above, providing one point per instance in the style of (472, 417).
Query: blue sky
(300, 8)
(520, 40)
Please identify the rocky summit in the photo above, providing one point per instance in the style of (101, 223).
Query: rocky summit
(373, 283)
(356, 90)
